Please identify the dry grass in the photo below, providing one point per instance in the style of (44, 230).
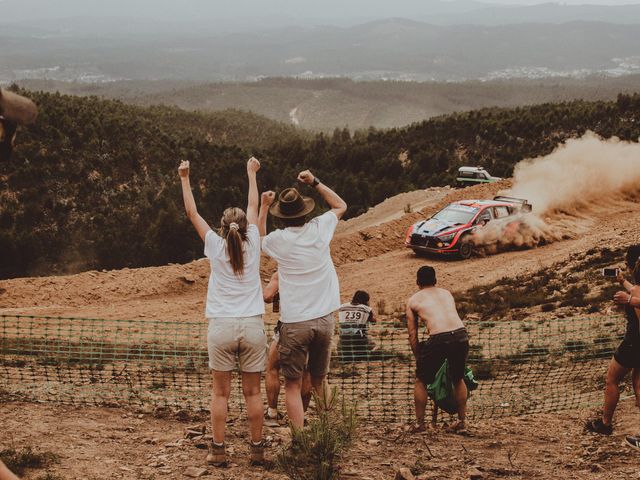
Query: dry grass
(576, 283)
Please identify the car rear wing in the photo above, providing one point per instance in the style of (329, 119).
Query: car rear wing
(524, 204)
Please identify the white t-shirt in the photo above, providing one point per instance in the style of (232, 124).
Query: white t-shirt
(230, 295)
(309, 285)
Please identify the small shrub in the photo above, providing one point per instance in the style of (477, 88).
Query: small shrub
(483, 369)
(573, 346)
(486, 324)
(602, 340)
(400, 322)
(315, 450)
(19, 460)
(535, 350)
(382, 307)
(50, 476)
(407, 208)
(475, 353)
(576, 296)
(347, 371)
(420, 467)
(524, 299)
(548, 307)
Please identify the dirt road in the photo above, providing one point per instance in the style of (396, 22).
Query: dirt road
(97, 443)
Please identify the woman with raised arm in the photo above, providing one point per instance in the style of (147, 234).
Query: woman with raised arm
(234, 309)
(627, 357)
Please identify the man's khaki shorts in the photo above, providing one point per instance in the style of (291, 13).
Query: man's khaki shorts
(301, 340)
(242, 338)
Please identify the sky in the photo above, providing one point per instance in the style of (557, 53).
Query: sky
(198, 10)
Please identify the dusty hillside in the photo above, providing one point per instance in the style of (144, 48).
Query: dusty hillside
(394, 208)
(373, 258)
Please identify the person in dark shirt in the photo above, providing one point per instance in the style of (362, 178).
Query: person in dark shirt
(627, 357)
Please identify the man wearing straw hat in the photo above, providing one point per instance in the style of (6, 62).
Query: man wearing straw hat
(14, 110)
(309, 289)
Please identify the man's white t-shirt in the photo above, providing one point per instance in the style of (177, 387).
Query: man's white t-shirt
(308, 281)
(230, 295)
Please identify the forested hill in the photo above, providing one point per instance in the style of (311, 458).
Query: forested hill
(93, 184)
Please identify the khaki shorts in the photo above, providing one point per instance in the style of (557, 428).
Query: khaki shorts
(301, 340)
(241, 338)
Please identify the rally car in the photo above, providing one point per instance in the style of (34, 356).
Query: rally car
(449, 231)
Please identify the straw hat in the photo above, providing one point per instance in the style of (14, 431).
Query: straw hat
(16, 108)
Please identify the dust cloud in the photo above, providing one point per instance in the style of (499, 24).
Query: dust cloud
(568, 189)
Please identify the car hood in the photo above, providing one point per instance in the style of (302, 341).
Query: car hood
(433, 227)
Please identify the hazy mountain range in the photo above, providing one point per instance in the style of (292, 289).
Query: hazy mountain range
(246, 15)
(385, 49)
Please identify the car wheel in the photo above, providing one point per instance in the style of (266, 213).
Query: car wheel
(466, 249)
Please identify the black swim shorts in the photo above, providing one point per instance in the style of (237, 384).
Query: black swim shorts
(453, 346)
(628, 354)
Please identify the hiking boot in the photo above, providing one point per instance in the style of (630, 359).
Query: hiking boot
(417, 427)
(273, 421)
(597, 426)
(633, 441)
(217, 455)
(256, 454)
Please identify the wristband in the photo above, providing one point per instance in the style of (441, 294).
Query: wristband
(629, 301)
(315, 182)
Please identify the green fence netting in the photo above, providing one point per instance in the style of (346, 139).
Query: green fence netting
(523, 367)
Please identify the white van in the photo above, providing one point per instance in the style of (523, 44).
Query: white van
(473, 175)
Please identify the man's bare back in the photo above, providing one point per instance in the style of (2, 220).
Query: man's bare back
(437, 307)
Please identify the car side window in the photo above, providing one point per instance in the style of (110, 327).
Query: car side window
(484, 217)
(501, 212)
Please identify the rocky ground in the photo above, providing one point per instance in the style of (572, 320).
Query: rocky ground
(101, 443)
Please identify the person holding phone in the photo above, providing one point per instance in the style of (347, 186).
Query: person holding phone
(627, 356)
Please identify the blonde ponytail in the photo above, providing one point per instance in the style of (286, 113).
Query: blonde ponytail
(234, 231)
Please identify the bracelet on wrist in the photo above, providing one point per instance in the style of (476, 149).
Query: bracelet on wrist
(629, 301)
(315, 182)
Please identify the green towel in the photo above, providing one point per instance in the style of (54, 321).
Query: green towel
(441, 390)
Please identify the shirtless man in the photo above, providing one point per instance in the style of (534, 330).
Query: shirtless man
(448, 339)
